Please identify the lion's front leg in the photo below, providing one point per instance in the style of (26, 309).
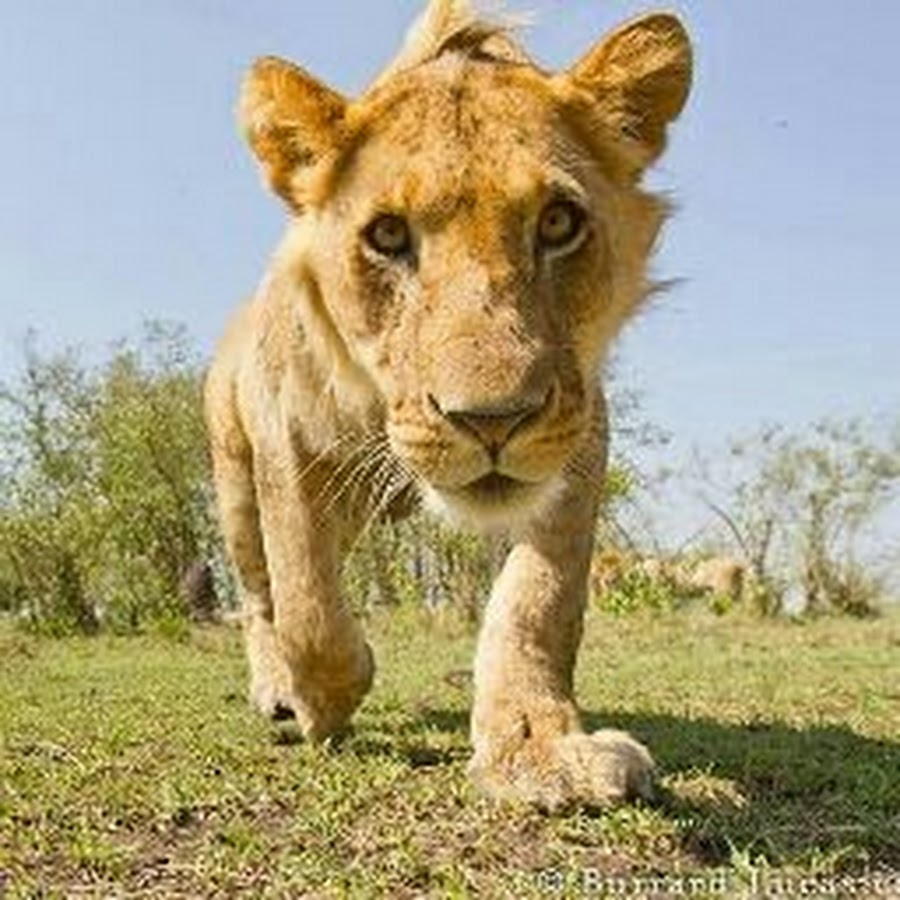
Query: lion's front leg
(270, 683)
(319, 645)
(528, 740)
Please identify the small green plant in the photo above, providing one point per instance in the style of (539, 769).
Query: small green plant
(634, 591)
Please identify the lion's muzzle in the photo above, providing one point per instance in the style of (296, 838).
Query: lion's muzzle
(494, 423)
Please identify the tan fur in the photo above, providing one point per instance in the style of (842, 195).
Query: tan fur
(355, 381)
(719, 575)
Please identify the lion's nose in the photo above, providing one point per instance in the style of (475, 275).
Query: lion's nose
(492, 423)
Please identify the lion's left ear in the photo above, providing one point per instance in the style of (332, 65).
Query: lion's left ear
(290, 119)
(641, 75)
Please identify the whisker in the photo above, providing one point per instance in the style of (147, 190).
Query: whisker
(395, 479)
(320, 457)
(361, 449)
(351, 472)
(367, 473)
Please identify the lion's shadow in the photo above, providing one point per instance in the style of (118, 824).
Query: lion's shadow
(764, 788)
(771, 788)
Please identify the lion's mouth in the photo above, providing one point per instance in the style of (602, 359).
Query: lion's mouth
(494, 489)
(493, 502)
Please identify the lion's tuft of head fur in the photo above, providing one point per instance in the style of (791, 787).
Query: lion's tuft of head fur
(456, 26)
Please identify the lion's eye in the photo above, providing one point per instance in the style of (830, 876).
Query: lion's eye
(561, 225)
(389, 235)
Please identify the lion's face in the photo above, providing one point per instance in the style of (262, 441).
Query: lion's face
(474, 246)
(471, 283)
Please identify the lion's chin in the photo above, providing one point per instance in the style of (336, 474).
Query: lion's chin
(494, 503)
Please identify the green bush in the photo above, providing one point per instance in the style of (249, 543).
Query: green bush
(107, 489)
(804, 508)
(420, 560)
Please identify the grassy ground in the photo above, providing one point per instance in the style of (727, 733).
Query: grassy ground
(134, 768)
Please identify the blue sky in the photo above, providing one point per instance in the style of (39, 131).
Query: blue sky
(127, 194)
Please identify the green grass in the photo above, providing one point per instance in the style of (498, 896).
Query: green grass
(132, 767)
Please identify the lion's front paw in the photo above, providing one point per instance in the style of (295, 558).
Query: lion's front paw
(325, 699)
(321, 697)
(273, 703)
(270, 688)
(577, 769)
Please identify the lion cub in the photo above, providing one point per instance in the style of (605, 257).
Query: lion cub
(464, 242)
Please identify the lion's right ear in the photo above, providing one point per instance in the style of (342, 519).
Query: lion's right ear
(291, 121)
(640, 76)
